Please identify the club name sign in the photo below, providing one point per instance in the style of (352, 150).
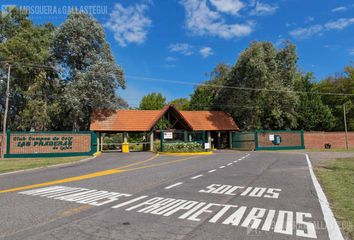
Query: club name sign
(62, 143)
(52, 142)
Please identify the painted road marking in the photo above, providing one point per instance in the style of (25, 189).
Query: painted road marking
(198, 176)
(334, 232)
(221, 166)
(229, 164)
(278, 221)
(65, 180)
(94, 175)
(84, 196)
(212, 170)
(249, 191)
(286, 222)
(174, 185)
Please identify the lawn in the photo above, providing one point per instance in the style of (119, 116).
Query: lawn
(330, 150)
(14, 164)
(337, 179)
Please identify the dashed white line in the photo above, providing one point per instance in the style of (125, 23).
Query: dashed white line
(229, 164)
(221, 166)
(198, 176)
(212, 170)
(174, 185)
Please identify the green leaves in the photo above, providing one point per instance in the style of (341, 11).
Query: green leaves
(152, 101)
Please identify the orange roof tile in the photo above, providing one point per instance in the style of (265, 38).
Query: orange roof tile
(210, 120)
(124, 120)
(145, 120)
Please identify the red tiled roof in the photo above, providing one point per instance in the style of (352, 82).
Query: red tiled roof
(124, 120)
(210, 120)
(145, 120)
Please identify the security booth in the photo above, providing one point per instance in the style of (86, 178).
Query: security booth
(143, 128)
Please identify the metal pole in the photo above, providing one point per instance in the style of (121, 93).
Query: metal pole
(6, 110)
(345, 126)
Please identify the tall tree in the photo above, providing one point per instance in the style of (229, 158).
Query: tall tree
(312, 114)
(180, 103)
(203, 97)
(340, 83)
(152, 101)
(32, 86)
(262, 66)
(87, 67)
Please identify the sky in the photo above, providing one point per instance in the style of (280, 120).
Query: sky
(181, 41)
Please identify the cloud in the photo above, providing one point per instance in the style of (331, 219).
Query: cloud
(182, 48)
(129, 24)
(339, 9)
(228, 6)
(206, 52)
(317, 30)
(351, 51)
(262, 9)
(202, 21)
(170, 59)
(339, 24)
(303, 33)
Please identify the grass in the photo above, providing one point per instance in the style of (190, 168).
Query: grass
(15, 164)
(330, 150)
(337, 179)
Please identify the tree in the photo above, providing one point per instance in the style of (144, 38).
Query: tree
(312, 113)
(180, 103)
(87, 68)
(203, 97)
(262, 66)
(33, 86)
(152, 101)
(340, 83)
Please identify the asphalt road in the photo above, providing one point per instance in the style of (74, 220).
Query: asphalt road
(227, 195)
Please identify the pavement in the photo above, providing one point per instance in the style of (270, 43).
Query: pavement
(227, 195)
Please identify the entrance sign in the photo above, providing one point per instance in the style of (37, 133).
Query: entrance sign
(50, 144)
(168, 135)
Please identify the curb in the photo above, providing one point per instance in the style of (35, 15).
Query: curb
(185, 153)
(50, 166)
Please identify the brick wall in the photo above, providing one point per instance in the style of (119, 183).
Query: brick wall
(336, 139)
(288, 139)
(53, 142)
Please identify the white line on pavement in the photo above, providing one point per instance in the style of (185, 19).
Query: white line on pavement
(212, 170)
(229, 164)
(198, 176)
(174, 185)
(221, 166)
(334, 232)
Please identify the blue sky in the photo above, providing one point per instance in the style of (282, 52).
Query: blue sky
(182, 40)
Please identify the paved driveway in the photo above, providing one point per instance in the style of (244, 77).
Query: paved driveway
(227, 195)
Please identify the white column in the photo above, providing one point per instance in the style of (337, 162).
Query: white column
(209, 138)
(152, 141)
(98, 141)
(125, 137)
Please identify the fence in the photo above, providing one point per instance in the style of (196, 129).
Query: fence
(243, 140)
(50, 144)
(181, 141)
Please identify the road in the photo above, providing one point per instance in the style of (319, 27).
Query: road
(227, 195)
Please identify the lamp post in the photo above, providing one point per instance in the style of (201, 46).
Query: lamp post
(6, 110)
(345, 126)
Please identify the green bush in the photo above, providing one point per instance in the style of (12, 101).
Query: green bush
(180, 147)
